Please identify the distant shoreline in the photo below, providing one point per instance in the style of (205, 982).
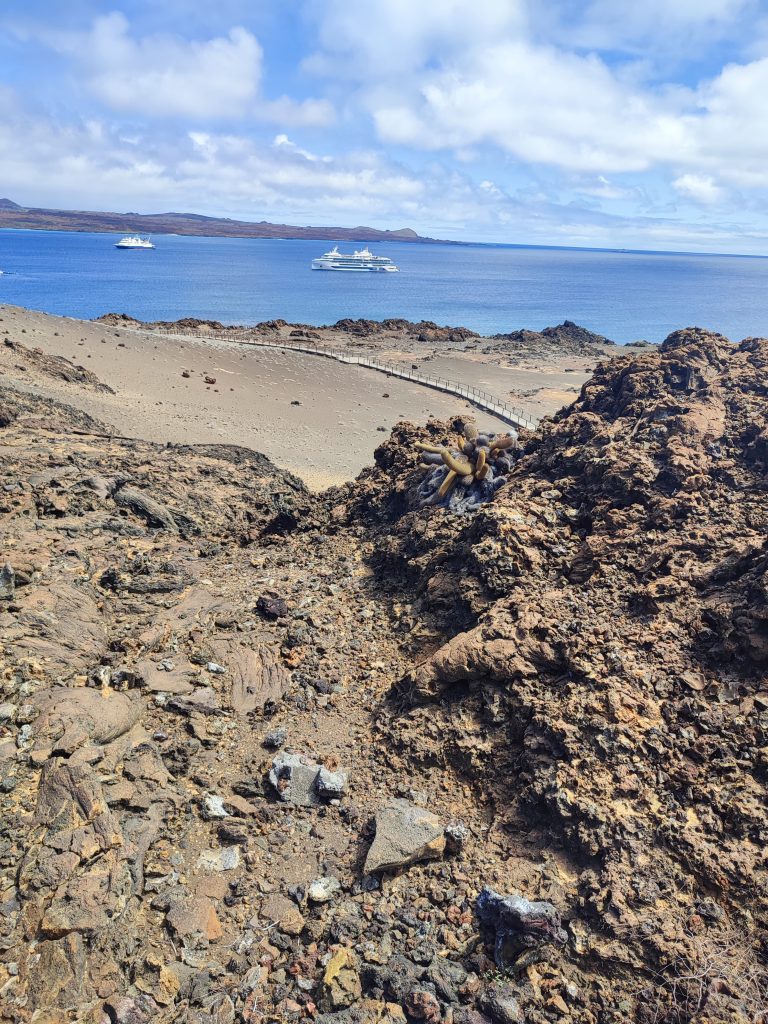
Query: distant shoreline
(41, 219)
(380, 236)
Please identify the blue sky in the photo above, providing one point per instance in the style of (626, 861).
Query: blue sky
(630, 125)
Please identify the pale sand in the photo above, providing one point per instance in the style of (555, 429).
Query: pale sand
(325, 440)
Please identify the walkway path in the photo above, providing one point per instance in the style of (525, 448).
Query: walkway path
(480, 399)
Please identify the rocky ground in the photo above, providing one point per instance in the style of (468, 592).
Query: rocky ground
(273, 756)
(567, 338)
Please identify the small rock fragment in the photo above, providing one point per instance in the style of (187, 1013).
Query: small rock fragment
(127, 1010)
(367, 1011)
(154, 512)
(225, 859)
(284, 913)
(189, 917)
(405, 834)
(7, 582)
(276, 738)
(331, 785)
(423, 1005)
(456, 836)
(294, 780)
(341, 981)
(518, 923)
(272, 606)
(213, 807)
(501, 1006)
(299, 781)
(322, 890)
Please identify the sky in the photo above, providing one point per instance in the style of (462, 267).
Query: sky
(608, 123)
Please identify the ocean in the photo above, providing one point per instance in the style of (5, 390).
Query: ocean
(625, 295)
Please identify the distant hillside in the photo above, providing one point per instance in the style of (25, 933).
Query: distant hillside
(14, 216)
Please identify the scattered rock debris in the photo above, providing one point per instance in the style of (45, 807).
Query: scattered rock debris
(561, 695)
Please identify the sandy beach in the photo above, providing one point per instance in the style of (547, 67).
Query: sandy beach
(319, 419)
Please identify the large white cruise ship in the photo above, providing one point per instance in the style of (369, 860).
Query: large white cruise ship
(134, 242)
(363, 260)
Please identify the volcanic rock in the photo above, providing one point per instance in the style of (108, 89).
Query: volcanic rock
(196, 916)
(7, 582)
(322, 890)
(405, 834)
(518, 924)
(284, 913)
(499, 1002)
(297, 780)
(575, 671)
(341, 981)
(69, 717)
(272, 606)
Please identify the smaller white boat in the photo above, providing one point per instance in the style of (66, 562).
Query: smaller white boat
(134, 242)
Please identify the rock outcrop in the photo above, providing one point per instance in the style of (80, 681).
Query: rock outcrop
(575, 673)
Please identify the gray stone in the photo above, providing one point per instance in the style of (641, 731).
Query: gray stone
(405, 834)
(456, 836)
(447, 976)
(154, 512)
(213, 807)
(225, 859)
(501, 1006)
(331, 785)
(299, 781)
(294, 780)
(322, 890)
(24, 737)
(276, 738)
(128, 1010)
(7, 582)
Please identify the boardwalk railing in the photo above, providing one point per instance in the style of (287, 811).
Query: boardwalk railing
(481, 399)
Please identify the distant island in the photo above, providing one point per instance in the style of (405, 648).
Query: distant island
(14, 216)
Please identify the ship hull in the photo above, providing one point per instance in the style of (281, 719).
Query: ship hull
(354, 270)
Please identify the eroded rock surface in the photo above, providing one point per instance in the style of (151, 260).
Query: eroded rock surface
(576, 673)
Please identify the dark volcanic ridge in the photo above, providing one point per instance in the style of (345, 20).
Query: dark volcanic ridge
(567, 338)
(14, 216)
(267, 756)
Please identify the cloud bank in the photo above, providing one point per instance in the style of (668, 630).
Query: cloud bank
(494, 119)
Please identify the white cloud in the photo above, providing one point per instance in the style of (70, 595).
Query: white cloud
(474, 74)
(730, 130)
(374, 40)
(168, 76)
(664, 24)
(283, 142)
(88, 166)
(537, 103)
(699, 187)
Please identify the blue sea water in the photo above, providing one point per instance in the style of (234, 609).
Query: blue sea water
(623, 295)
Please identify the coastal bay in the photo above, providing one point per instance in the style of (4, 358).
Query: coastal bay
(626, 296)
